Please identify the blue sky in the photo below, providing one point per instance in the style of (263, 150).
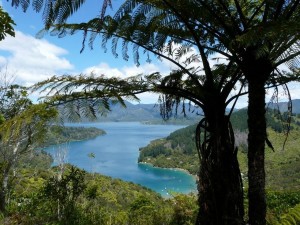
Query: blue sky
(31, 60)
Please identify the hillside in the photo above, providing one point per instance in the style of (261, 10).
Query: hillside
(81, 198)
(58, 135)
(282, 166)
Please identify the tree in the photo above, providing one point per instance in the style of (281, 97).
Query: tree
(20, 121)
(63, 192)
(221, 199)
(22, 128)
(255, 36)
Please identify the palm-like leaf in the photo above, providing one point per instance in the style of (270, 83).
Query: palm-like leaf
(88, 96)
(57, 11)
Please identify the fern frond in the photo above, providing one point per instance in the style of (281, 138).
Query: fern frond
(292, 217)
(81, 95)
(37, 5)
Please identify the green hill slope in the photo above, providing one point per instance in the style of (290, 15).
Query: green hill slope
(81, 198)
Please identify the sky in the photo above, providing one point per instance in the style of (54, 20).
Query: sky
(31, 60)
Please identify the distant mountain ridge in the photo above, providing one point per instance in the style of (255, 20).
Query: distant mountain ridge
(283, 106)
(149, 113)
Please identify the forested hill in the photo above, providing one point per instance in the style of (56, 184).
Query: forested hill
(178, 150)
(58, 134)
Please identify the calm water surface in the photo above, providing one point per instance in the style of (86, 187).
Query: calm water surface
(116, 155)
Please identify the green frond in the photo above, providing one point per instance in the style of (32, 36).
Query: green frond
(291, 57)
(41, 33)
(292, 217)
(37, 5)
(24, 4)
(126, 7)
(84, 95)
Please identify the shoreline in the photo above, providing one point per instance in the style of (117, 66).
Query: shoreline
(175, 169)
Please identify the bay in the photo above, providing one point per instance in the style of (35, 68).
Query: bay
(116, 155)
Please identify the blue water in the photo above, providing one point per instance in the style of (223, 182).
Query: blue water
(116, 155)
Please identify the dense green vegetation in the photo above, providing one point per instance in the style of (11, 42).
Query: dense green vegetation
(178, 150)
(78, 197)
(58, 135)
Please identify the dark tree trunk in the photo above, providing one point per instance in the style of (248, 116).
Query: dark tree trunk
(220, 184)
(256, 151)
(257, 72)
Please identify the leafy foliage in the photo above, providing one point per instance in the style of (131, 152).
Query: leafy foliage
(85, 198)
(22, 129)
(6, 24)
(63, 192)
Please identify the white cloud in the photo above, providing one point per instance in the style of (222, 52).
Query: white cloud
(128, 71)
(142, 69)
(104, 69)
(32, 59)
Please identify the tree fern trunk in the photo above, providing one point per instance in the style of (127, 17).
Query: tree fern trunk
(256, 152)
(220, 184)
